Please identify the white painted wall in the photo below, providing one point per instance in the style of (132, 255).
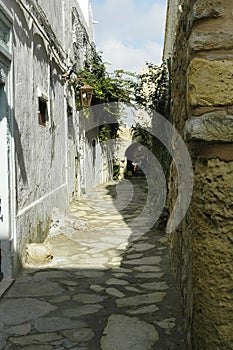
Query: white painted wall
(4, 167)
(42, 160)
(85, 7)
(44, 172)
(96, 165)
(7, 183)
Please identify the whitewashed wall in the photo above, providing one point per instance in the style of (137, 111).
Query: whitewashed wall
(42, 49)
(96, 158)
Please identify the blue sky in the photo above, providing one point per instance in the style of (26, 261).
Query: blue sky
(129, 32)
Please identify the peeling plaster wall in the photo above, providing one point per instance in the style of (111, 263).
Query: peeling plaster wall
(55, 15)
(86, 9)
(96, 158)
(44, 155)
(86, 25)
(202, 111)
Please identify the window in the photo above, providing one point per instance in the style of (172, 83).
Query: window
(42, 111)
(5, 32)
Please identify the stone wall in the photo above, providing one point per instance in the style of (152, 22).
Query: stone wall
(202, 111)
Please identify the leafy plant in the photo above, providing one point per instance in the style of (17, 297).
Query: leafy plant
(152, 90)
(153, 93)
(116, 171)
(141, 135)
(117, 87)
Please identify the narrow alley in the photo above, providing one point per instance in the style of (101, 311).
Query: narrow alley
(136, 91)
(107, 287)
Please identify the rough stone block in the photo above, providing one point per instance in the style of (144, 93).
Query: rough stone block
(203, 110)
(38, 253)
(211, 224)
(207, 9)
(218, 39)
(210, 82)
(225, 333)
(222, 151)
(215, 126)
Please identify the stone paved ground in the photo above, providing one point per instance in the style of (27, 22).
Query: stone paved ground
(108, 286)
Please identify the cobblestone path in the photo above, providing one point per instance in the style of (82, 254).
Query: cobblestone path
(108, 286)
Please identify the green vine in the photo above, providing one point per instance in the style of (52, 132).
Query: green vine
(117, 87)
(152, 90)
(153, 93)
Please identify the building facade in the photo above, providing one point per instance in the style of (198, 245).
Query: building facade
(42, 157)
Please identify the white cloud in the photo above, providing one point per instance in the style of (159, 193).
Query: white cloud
(128, 33)
(129, 58)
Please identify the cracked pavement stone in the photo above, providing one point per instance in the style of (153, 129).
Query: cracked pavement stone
(35, 290)
(22, 329)
(60, 299)
(143, 261)
(69, 283)
(168, 323)
(134, 289)
(41, 338)
(147, 268)
(82, 310)
(80, 335)
(17, 311)
(134, 256)
(140, 299)
(144, 310)
(116, 281)
(150, 275)
(88, 298)
(53, 324)
(37, 347)
(142, 247)
(97, 288)
(115, 292)
(134, 334)
(155, 285)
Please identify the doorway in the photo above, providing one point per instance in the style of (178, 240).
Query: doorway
(4, 180)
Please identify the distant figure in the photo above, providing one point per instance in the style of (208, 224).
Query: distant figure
(129, 153)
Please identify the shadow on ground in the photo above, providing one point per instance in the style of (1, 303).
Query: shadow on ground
(112, 289)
